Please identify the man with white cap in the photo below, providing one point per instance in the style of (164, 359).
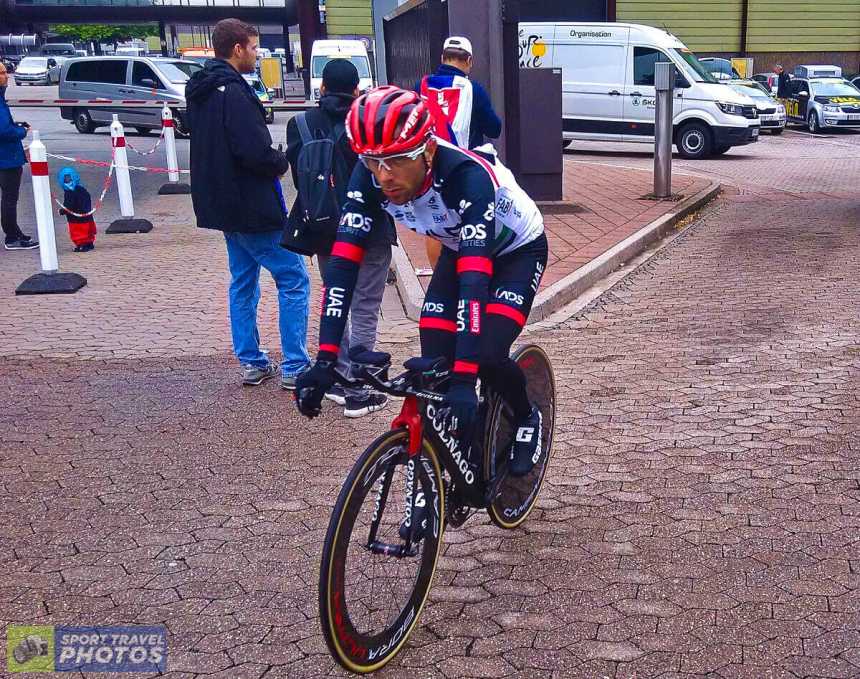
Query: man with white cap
(457, 100)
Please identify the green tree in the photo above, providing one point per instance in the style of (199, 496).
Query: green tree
(99, 33)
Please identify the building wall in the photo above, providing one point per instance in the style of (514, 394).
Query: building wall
(704, 26)
(348, 17)
(790, 32)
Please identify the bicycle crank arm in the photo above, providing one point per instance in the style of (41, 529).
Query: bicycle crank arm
(400, 551)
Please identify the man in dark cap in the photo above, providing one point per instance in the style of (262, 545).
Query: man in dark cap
(310, 237)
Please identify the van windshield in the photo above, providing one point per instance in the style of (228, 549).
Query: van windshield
(178, 71)
(360, 63)
(695, 68)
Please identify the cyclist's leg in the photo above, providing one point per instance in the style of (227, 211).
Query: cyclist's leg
(438, 324)
(516, 278)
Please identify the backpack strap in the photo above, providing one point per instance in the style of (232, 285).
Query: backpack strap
(304, 130)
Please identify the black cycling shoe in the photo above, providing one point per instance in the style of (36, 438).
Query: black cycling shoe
(418, 517)
(526, 448)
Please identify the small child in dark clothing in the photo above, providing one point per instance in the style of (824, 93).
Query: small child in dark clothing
(77, 201)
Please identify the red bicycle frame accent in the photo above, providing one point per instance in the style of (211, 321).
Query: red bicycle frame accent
(410, 419)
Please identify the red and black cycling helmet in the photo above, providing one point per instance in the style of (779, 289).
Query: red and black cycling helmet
(388, 120)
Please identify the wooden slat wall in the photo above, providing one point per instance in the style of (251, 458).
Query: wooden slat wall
(804, 26)
(348, 17)
(703, 25)
(772, 25)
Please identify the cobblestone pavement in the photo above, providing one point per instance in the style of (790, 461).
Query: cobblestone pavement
(700, 517)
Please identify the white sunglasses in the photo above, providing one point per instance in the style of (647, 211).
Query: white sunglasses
(390, 163)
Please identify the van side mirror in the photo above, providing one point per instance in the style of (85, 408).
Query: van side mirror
(148, 82)
(803, 94)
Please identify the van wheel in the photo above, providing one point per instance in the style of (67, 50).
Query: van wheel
(777, 131)
(812, 123)
(83, 122)
(694, 141)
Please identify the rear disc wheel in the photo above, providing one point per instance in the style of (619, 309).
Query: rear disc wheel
(517, 495)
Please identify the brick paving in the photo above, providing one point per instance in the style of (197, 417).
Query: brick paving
(606, 206)
(700, 517)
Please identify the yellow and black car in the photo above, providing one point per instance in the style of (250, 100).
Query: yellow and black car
(823, 103)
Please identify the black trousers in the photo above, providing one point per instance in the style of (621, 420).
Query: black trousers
(10, 184)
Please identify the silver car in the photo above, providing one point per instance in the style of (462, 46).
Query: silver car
(771, 112)
(37, 71)
(124, 78)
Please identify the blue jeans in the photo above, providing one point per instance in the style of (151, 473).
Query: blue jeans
(247, 252)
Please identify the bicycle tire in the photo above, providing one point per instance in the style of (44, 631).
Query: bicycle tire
(517, 495)
(368, 650)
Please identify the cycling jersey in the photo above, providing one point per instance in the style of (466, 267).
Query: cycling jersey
(472, 204)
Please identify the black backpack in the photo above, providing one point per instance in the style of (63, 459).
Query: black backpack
(323, 175)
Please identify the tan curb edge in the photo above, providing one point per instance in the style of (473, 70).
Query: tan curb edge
(573, 285)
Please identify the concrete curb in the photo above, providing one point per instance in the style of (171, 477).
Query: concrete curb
(573, 285)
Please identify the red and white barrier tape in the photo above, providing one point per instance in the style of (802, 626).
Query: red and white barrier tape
(101, 163)
(150, 151)
(105, 186)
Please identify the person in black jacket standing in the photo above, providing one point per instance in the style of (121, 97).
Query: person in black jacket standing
(339, 89)
(235, 188)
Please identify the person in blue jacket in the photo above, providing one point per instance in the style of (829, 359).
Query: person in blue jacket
(12, 161)
(461, 106)
(78, 209)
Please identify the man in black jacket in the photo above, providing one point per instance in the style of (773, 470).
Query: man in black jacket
(339, 89)
(235, 188)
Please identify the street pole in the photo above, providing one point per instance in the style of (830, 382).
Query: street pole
(664, 82)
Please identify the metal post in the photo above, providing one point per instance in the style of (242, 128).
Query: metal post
(664, 81)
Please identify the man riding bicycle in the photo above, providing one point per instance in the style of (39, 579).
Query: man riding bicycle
(493, 256)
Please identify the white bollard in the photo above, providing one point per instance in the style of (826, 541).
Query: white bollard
(44, 209)
(128, 224)
(173, 186)
(120, 159)
(49, 281)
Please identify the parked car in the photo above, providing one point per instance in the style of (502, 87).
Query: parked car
(822, 102)
(57, 49)
(608, 86)
(720, 68)
(264, 94)
(119, 78)
(771, 112)
(37, 71)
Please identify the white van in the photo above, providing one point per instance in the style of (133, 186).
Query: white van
(324, 51)
(608, 86)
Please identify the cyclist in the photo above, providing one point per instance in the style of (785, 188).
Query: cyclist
(493, 256)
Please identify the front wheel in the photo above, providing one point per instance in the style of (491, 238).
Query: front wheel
(777, 131)
(371, 590)
(812, 123)
(517, 495)
(694, 141)
(83, 122)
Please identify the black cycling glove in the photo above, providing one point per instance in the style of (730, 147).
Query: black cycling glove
(460, 408)
(311, 387)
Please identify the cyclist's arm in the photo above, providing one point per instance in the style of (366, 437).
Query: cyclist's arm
(471, 188)
(360, 213)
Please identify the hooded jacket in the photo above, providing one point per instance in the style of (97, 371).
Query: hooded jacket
(11, 134)
(332, 110)
(234, 169)
(76, 199)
